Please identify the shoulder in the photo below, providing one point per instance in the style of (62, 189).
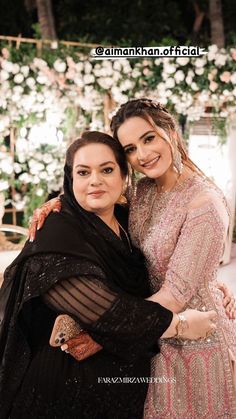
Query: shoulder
(208, 198)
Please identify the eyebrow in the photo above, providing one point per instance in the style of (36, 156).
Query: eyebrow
(100, 165)
(140, 138)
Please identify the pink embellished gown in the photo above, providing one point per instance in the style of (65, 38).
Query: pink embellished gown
(182, 234)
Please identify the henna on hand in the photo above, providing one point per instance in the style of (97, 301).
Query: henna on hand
(81, 347)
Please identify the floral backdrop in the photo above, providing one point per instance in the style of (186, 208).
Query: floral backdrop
(47, 101)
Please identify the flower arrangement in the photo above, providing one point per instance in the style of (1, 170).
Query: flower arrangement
(66, 92)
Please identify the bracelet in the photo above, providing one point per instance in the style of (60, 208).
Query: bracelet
(182, 326)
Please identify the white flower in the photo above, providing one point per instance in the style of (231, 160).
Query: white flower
(89, 78)
(3, 185)
(200, 62)
(4, 75)
(39, 192)
(179, 76)
(15, 68)
(42, 79)
(169, 68)
(220, 60)
(105, 82)
(170, 83)
(36, 168)
(19, 78)
(43, 175)
(194, 86)
(182, 60)
(212, 52)
(7, 66)
(199, 71)
(126, 85)
(17, 168)
(25, 70)
(233, 78)
(6, 165)
(30, 81)
(136, 73)
(87, 67)
(117, 65)
(25, 178)
(60, 66)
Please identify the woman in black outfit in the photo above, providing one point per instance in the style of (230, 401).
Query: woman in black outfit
(83, 264)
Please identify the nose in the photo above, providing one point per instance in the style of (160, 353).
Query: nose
(141, 153)
(95, 179)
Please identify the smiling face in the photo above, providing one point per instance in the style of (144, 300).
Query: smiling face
(148, 150)
(97, 179)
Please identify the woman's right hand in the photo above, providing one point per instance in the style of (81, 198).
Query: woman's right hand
(40, 214)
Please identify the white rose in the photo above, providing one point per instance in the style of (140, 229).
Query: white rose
(87, 67)
(25, 178)
(220, 60)
(182, 60)
(15, 68)
(105, 82)
(3, 185)
(25, 70)
(60, 66)
(199, 71)
(39, 192)
(89, 78)
(169, 68)
(179, 76)
(199, 62)
(170, 83)
(19, 78)
(7, 66)
(194, 86)
(233, 78)
(42, 79)
(4, 75)
(30, 82)
(212, 52)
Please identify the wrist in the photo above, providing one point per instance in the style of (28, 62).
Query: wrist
(182, 326)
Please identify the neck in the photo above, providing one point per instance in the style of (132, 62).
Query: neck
(168, 179)
(107, 216)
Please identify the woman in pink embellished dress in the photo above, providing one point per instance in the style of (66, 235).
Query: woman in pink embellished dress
(179, 219)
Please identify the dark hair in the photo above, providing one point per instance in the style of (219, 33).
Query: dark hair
(156, 114)
(96, 137)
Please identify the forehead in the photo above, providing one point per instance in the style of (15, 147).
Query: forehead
(93, 155)
(132, 129)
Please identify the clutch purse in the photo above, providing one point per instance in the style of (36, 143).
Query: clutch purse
(64, 328)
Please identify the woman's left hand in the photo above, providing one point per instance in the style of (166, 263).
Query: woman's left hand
(81, 346)
(228, 301)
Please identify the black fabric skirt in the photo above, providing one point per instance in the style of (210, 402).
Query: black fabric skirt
(56, 386)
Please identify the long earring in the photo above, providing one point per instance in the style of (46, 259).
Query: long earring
(177, 160)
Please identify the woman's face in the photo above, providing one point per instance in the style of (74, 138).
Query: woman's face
(147, 150)
(97, 179)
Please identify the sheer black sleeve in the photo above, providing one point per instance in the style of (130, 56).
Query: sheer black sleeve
(124, 325)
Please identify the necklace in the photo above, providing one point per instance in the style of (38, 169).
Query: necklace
(161, 188)
(117, 227)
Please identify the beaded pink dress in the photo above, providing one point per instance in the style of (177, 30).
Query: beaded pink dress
(181, 234)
